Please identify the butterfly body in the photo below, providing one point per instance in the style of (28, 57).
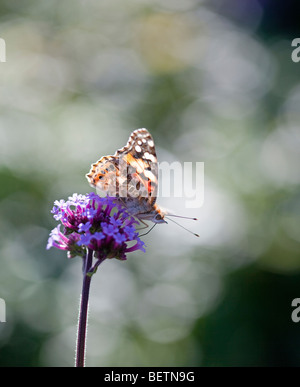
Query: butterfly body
(131, 175)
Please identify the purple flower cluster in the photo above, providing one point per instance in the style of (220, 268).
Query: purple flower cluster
(95, 223)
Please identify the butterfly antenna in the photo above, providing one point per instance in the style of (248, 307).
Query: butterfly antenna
(183, 217)
(197, 235)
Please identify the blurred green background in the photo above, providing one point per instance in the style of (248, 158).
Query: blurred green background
(213, 81)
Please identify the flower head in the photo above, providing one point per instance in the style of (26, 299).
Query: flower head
(95, 223)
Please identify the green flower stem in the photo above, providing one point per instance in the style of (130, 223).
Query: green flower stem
(82, 319)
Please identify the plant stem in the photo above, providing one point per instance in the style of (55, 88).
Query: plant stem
(82, 319)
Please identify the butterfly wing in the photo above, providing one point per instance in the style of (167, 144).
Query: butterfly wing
(104, 175)
(131, 173)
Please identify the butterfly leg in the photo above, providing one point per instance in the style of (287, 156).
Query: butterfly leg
(145, 225)
(149, 230)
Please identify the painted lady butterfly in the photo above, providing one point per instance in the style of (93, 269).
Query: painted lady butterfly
(131, 175)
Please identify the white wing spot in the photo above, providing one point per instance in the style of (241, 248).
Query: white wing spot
(138, 148)
(151, 143)
(149, 156)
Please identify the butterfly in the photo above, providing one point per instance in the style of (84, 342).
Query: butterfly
(131, 175)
